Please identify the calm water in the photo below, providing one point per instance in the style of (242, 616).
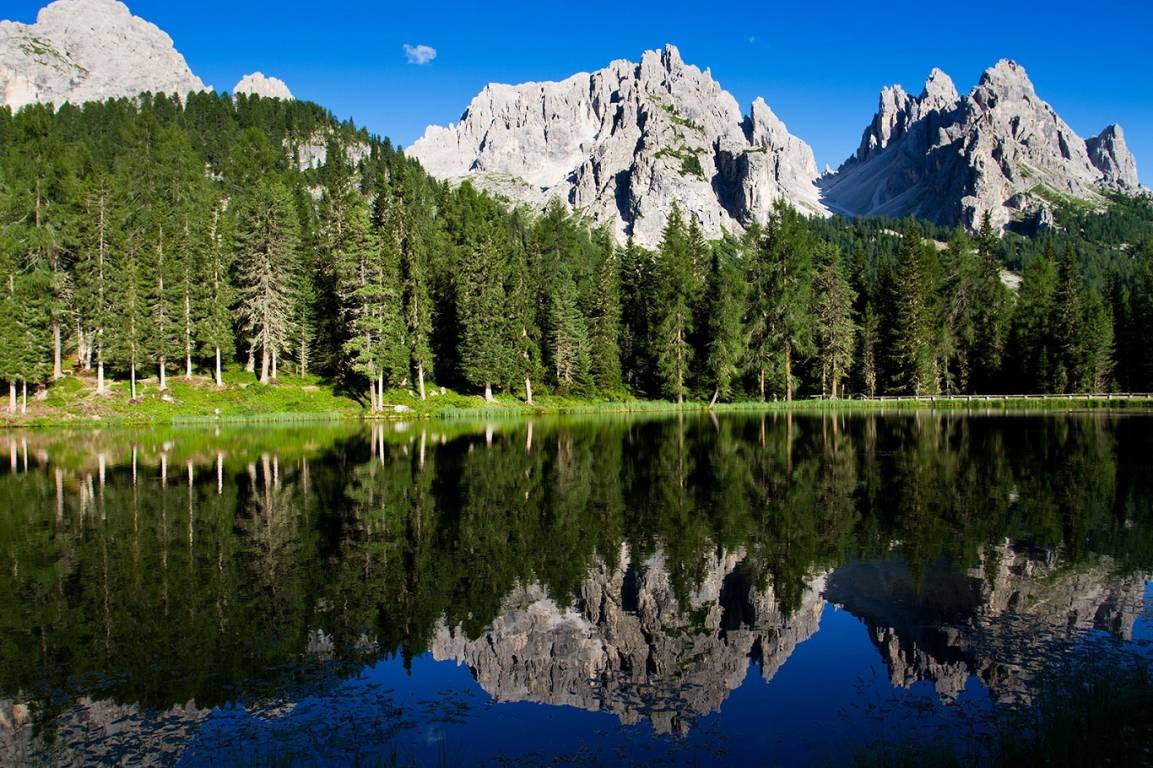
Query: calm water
(737, 590)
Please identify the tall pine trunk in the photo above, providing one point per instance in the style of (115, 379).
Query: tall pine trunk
(133, 381)
(716, 397)
(372, 395)
(788, 372)
(264, 364)
(761, 379)
(528, 390)
(420, 381)
(219, 377)
(163, 373)
(250, 366)
(24, 400)
(380, 389)
(100, 371)
(57, 363)
(488, 398)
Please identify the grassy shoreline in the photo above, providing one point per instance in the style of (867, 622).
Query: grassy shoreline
(74, 402)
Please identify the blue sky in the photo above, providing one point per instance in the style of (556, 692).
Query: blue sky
(819, 65)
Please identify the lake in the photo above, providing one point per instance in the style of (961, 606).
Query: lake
(696, 590)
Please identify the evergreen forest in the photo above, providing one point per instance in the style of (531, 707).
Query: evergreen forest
(158, 237)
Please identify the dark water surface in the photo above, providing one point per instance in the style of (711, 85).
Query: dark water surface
(732, 590)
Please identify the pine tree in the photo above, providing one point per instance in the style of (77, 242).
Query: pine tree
(833, 315)
(413, 234)
(724, 321)
(991, 313)
(485, 354)
(215, 328)
(780, 319)
(97, 240)
(1029, 348)
(605, 322)
(266, 242)
(671, 309)
(914, 329)
(569, 336)
(523, 328)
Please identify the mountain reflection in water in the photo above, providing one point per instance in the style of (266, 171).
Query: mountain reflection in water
(311, 593)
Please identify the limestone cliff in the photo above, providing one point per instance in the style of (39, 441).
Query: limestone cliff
(1001, 150)
(626, 143)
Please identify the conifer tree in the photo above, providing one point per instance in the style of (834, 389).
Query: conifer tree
(605, 321)
(569, 337)
(916, 317)
(97, 240)
(215, 330)
(833, 316)
(266, 241)
(1030, 344)
(412, 235)
(780, 318)
(523, 327)
(671, 310)
(991, 312)
(485, 353)
(724, 321)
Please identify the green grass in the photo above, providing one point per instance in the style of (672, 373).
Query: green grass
(73, 401)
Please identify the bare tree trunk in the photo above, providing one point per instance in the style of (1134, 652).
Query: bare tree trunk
(12, 397)
(57, 364)
(488, 393)
(716, 397)
(380, 389)
(24, 400)
(275, 365)
(163, 373)
(420, 380)
(762, 383)
(219, 377)
(250, 366)
(134, 382)
(188, 366)
(264, 364)
(835, 383)
(372, 395)
(528, 390)
(788, 373)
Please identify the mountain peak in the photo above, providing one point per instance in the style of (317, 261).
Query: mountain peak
(257, 84)
(626, 143)
(939, 91)
(88, 50)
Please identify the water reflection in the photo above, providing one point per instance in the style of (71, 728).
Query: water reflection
(627, 566)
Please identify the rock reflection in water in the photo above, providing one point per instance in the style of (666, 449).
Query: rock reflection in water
(635, 567)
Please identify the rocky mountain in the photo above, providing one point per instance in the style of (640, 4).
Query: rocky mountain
(626, 143)
(630, 647)
(998, 622)
(1001, 149)
(88, 50)
(257, 84)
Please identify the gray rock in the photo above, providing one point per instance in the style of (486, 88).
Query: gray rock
(1000, 150)
(624, 144)
(88, 50)
(257, 84)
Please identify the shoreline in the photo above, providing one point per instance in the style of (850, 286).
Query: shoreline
(574, 407)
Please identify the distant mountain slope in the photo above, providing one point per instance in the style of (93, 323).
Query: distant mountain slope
(624, 144)
(88, 50)
(94, 50)
(1001, 149)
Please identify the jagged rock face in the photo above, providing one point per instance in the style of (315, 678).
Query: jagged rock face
(998, 622)
(98, 732)
(630, 647)
(257, 84)
(626, 143)
(1000, 150)
(88, 50)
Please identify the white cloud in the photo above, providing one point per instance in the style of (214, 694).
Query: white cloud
(419, 54)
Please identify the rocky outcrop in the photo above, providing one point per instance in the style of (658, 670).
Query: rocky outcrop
(257, 84)
(630, 647)
(1001, 150)
(88, 50)
(1000, 622)
(623, 145)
